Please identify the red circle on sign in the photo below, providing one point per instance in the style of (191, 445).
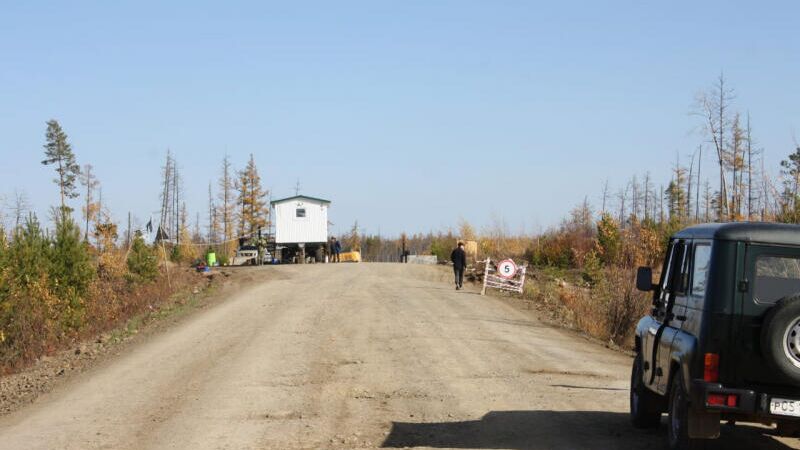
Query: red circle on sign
(506, 269)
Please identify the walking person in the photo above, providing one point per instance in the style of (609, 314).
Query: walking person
(459, 259)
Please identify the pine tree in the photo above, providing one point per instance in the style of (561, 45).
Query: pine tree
(252, 199)
(142, 261)
(608, 239)
(58, 152)
(71, 270)
(27, 308)
(30, 252)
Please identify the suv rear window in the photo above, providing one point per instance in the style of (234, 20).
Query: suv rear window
(776, 277)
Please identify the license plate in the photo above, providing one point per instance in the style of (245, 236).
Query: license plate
(784, 407)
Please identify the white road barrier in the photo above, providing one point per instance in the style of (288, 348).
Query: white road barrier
(505, 275)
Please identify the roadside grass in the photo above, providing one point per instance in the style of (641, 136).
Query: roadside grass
(176, 306)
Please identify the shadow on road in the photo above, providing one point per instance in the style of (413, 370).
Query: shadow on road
(554, 430)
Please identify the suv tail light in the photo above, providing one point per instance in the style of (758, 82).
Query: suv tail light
(716, 400)
(729, 400)
(711, 368)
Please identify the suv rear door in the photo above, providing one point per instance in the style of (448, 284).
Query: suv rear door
(770, 274)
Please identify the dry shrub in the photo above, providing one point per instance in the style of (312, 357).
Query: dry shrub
(583, 313)
(620, 305)
(609, 311)
(642, 246)
(32, 322)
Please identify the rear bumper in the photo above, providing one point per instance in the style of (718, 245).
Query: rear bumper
(749, 403)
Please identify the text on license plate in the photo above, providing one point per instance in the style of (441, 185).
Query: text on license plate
(784, 407)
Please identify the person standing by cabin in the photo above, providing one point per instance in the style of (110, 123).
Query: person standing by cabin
(459, 259)
(337, 248)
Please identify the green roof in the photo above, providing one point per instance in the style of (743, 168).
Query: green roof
(298, 197)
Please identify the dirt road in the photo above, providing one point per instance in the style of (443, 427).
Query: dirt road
(351, 356)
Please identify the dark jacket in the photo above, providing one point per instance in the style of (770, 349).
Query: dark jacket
(459, 258)
(337, 247)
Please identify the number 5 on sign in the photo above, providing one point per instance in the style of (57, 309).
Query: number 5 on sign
(506, 268)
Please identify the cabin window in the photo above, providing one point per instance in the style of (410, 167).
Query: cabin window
(300, 212)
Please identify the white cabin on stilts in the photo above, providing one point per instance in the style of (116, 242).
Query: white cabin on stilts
(301, 228)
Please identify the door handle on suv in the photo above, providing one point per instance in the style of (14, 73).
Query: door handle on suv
(681, 318)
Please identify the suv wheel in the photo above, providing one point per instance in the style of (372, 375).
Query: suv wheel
(644, 403)
(780, 337)
(678, 430)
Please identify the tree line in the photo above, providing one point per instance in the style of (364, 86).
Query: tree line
(57, 286)
(238, 209)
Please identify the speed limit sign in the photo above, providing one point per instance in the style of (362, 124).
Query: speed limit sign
(506, 268)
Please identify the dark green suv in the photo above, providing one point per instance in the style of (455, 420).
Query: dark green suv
(722, 341)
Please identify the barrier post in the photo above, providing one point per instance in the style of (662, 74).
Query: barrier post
(485, 275)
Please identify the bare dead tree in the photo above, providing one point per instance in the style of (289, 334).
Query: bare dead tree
(19, 206)
(697, 195)
(707, 200)
(689, 189)
(736, 161)
(646, 195)
(751, 152)
(713, 106)
(166, 195)
(621, 197)
(605, 195)
(227, 201)
(89, 180)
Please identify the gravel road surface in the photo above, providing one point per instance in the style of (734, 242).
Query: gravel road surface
(352, 356)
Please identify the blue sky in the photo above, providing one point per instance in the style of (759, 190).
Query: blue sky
(407, 115)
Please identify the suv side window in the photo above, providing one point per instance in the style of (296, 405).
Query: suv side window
(676, 283)
(702, 259)
(673, 277)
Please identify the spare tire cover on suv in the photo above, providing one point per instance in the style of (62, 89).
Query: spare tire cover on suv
(780, 337)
